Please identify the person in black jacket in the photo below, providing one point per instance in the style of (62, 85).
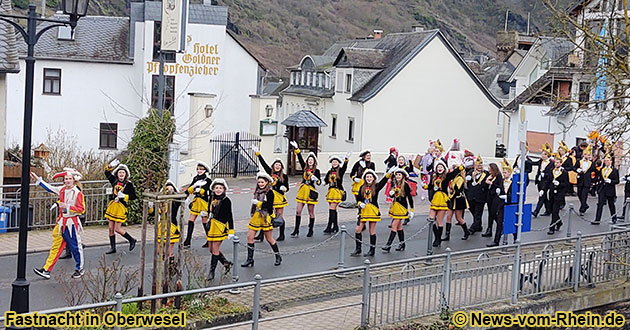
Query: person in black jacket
(496, 199)
(626, 194)
(585, 169)
(122, 193)
(557, 192)
(368, 206)
(261, 212)
(477, 195)
(569, 163)
(221, 225)
(439, 201)
(280, 186)
(606, 193)
(199, 188)
(307, 193)
(356, 173)
(391, 159)
(457, 203)
(543, 180)
(336, 193)
(401, 208)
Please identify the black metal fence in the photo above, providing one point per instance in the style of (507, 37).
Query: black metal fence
(232, 154)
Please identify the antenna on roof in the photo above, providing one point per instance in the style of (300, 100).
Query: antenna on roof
(528, 23)
(507, 13)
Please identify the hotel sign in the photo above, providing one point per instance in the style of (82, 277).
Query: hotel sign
(200, 60)
(174, 18)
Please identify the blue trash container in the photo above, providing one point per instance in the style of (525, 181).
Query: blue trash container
(4, 218)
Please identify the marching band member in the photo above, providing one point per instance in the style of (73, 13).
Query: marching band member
(122, 192)
(401, 208)
(569, 163)
(606, 193)
(168, 189)
(199, 188)
(368, 206)
(439, 198)
(496, 199)
(335, 195)
(280, 187)
(457, 203)
(262, 212)
(221, 225)
(557, 192)
(586, 168)
(477, 194)
(68, 229)
(543, 180)
(307, 193)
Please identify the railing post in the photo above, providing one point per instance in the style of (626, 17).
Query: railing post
(430, 237)
(237, 145)
(569, 220)
(446, 282)
(342, 247)
(626, 209)
(365, 298)
(235, 278)
(516, 273)
(256, 305)
(118, 297)
(577, 262)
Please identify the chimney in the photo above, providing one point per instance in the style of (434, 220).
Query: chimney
(417, 28)
(378, 34)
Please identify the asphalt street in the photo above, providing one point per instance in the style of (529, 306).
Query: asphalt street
(46, 294)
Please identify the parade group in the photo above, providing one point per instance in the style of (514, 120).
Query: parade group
(453, 181)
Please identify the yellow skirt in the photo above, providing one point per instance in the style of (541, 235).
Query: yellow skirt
(303, 195)
(174, 233)
(198, 204)
(439, 201)
(116, 211)
(356, 186)
(279, 200)
(218, 231)
(370, 213)
(397, 211)
(257, 222)
(334, 195)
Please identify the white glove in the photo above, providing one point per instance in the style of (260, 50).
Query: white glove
(294, 144)
(474, 183)
(541, 193)
(151, 205)
(203, 214)
(542, 175)
(498, 191)
(411, 214)
(391, 170)
(199, 183)
(357, 180)
(230, 236)
(54, 206)
(283, 188)
(255, 149)
(210, 215)
(197, 189)
(255, 201)
(503, 197)
(348, 154)
(607, 181)
(362, 205)
(114, 163)
(436, 188)
(579, 170)
(391, 193)
(121, 195)
(468, 177)
(314, 178)
(468, 163)
(556, 183)
(362, 163)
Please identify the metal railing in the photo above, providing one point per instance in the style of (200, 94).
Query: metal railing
(40, 201)
(400, 290)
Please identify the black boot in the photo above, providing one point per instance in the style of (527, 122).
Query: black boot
(335, 227)
(466, 231)
(296, 230)
(370, 253)
(250, 256)
(358, 242)
(329, 226)
(213, 266)
(401, 238)
(206, 228)
(281, 236)
(190, 228)
(66, 254)
(227, 265)
(437, 232)
(132, 241)
(275, 249)
(388, 246)
(311, 224)
(259, 237)
(112, 244)
(447, 235)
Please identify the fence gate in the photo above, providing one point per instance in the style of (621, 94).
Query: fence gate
(232, 154)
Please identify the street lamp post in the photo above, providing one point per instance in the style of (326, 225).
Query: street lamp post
(75, 9)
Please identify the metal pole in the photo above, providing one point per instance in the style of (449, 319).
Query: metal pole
(521, 192)
(446, 281)
(626, 210)
(236, 146)
(577, 262)
(235, 241)
(118, 297)
(365, 298)
(516, 272)
(430, 238)
(569, 220)
(342, 247)
(256, 306)
(143, 252)
(161, 83)
(20, 287)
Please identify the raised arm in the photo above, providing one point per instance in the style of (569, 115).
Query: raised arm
(263, 163)
(45, 185)
(344, 167)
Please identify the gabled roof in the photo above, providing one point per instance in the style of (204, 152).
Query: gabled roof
(564, 73)
(96, 39)
(367, 58)
(557, 49)
(304, 118)
(9, 62)
(310, 91)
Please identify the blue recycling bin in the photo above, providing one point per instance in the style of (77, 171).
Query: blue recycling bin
(5, 212)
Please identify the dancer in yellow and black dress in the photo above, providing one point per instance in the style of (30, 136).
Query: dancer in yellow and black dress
(199, 188)
(439, 201)
(280, 186)
(368, 204)
(168, 189)
(401, 209)
(336, 193)
(307, 193)
(221, 225)
(122, 192)
(457, 203)
(262, 212)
